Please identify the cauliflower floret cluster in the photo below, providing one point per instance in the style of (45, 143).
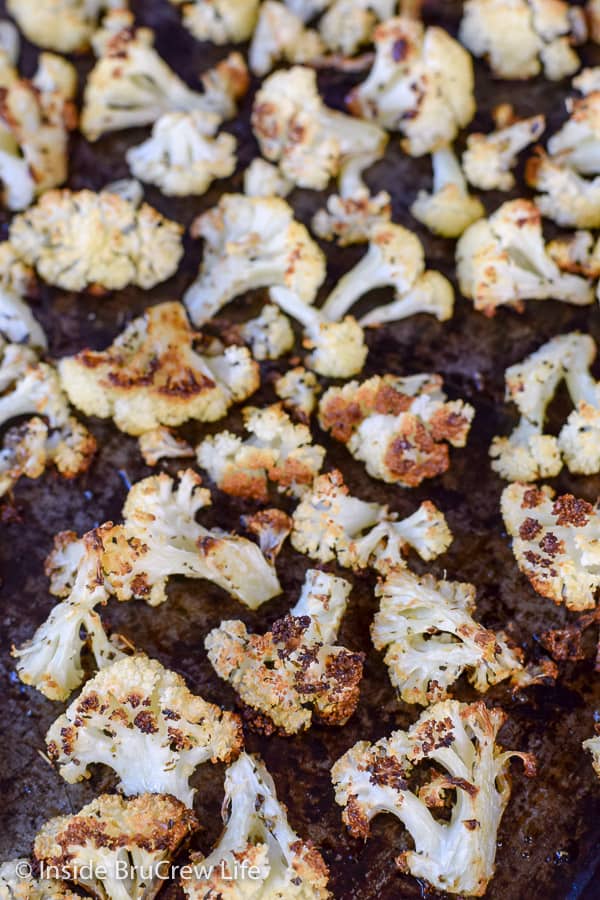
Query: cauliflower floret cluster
(220, 21)
(131, 85)
(269, 335)
(593, 745)
(400, 427)
(421, 84)
(430, 637)
(147, 831)
(450, 209)
(263, 179)
(257, 834)
(20, 887)
(281, 35)
(295, 672)
(395, 258)
(518, 37)
(183, 156)
(298, 389)
(251, 242)
(277, 450)
(348, 24)
(62, 25)
(162, 443)
(151, 375)
(141, 720)
(470, 781)
(555, 541)
(83, 239)
(489, 158)
(329, 523)
(502, 261)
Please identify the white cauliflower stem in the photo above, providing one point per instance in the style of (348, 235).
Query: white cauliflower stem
(450, 209)
(471, 780)
(489, 158)
(219, 21)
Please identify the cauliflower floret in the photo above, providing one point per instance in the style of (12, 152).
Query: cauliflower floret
(588, 80)
(277, 450)
(15, 276)
(329, 523)
(579, 438)
(311, 142)
(89, 846)
(271, 527)
(395, 258)
(308, 9)
(519, 36)
(399, 427)
(348, 24)
(151, 375)
(351, 220)
(14, 886)
(220, 21)
(10, 46)
(577, 143)
(281, 35)
(450, 209)
(566, 198)
(162, 443)
(421, 84)
(183, 157)
(62, 25)
(430, 638)
(489, 158)
(81, 239)
(269, 335)
(502, 261)
(18, 325)
(556, 543)
(131, 85)
(593, 745)
(141, 720)
(295, 671)
(454, 854)
(257, 836)
(251, 242)
(263, 179)
(577, 253)
(298, 389)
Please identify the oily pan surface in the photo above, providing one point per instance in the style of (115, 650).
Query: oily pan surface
(549, 837)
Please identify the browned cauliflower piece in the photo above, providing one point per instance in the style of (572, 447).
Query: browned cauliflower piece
(593, 745)
(151, 375)
(294, 672)
(162, 443)
(91, 846)
(400, 427)
(469, 779)
(271, 527)
(298, 389)
(280, 35)
(141, 720)
(17, 883)
(555, 541)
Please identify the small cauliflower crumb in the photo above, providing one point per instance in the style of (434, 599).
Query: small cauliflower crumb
(593, 746)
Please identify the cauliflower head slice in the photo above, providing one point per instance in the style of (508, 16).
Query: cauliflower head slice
(162, 443)
(430, 638)
(180, 157)
(141, 720)
(277, 450)
(421, 84)
(62, 25)
(83, 239)
(449, 209)
(281, 35)
(257, 833)
(251, 242)
(295, 673)
(555, 541)
(220, 21)
(471, 777)
(567, 198)
(152, 375)
(593, 745)
(400, 427)
(329, 523)
(298, 389)
(131, 85)
(269, 334)
(489, 158)
(503, 261)
(14, 885)
(145, 831)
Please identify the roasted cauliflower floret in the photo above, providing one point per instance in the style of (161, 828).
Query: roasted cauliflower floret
(15, 276)
(131, 85)
(276, 450)
(251, 242)
(295, 672)
(141, 720)
(470, 778)
(579, 438)
(566, 198)
(502, 261)
(183, 156)
(489, 158)
(310, 142)
(395, 258)
(351, 220)
(593, 745)
(263, 179)
(298, 389)
(151, 375)
(281, 35)
(555, 541)
(271, 527)
(220, 21)
(18, 325)
(449, 209)
(62, 25)
(421, 84)
(400, 427)
(15, 886)
(81, 239)
(329, 523)
(430, 638)
(518, 37)
(144, 832)
(269, 335)
(348, 24)
(257, 836)
(162, 443)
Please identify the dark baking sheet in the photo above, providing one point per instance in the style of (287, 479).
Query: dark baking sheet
(549, 837)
